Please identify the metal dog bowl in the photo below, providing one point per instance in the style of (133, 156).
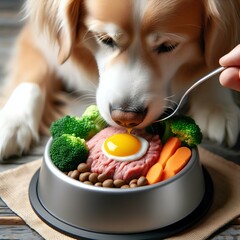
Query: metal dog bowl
(149, 212)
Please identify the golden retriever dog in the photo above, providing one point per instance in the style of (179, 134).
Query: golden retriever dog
(139, 56)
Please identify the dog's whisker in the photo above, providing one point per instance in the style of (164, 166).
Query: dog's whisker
(85, 38)
(81, 98)
(171, 101)
(169, 97)
(168, 107)
(85, 34)
(79, 93)
(88, 98)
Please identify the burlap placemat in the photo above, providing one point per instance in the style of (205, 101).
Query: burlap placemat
(226, 204)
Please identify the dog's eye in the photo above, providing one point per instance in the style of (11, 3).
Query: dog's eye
(107, 41)
(165, 47)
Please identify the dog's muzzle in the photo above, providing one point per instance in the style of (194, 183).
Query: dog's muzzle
(127, 117)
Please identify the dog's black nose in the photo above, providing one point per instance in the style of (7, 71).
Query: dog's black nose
(128, 118)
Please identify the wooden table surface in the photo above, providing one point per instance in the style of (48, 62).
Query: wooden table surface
(11, 226)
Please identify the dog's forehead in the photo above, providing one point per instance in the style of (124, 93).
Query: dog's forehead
(118, 12)
(172, 13)
(145, 15)
(127, 14)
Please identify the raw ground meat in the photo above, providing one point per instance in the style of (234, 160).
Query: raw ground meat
(117, 169)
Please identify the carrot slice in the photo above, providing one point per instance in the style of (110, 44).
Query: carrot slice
(167, 174)
(177, 162)
(154, 174)
(168, 149)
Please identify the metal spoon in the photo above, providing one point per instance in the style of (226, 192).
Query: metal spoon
(200, 81)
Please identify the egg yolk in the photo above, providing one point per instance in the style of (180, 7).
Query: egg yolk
(122, 144)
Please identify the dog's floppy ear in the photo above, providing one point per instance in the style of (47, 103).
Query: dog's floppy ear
(60, 19)
(70, 27)
(221, 31)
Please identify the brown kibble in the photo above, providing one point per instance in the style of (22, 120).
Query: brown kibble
(142, 181)
(83, 167)
(118, 183)
(75, 174)
(88, 182)
(133, 181)
(108, 183)
(133, 185)
(84, 176)
(93, 177)
(102, 177)
(98, 184)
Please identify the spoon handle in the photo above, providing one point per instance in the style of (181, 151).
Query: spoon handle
(200, 81)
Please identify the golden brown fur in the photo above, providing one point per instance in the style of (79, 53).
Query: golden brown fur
(57, 42)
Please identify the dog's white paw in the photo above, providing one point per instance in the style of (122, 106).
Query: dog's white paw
(16, 135)
(218, 116)
(19, 120)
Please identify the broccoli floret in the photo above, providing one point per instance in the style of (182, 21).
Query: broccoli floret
(88, 128)
(67, 151)
(92, 122)
(65, 125)
(184, 128)
(85, 127)
(92, 112)
(180, 126)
